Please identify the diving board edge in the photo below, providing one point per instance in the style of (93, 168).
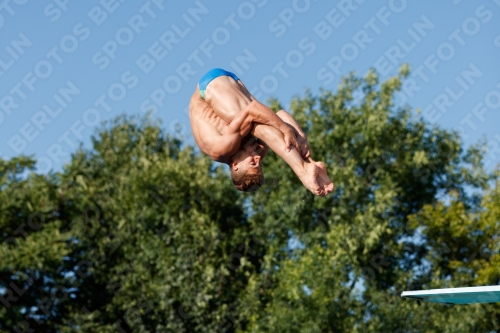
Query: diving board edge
(467, 295)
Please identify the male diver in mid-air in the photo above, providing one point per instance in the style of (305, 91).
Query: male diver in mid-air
(232, 127)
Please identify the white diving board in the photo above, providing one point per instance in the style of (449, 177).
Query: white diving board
(470, 295)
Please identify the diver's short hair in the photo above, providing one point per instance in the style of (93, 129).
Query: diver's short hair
(247, 181)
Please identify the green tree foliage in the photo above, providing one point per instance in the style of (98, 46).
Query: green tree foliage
(142, 234)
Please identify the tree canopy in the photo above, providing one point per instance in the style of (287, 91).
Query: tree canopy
(141, 233)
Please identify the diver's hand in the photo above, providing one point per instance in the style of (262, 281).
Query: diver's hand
(303, 146)
(290, 138)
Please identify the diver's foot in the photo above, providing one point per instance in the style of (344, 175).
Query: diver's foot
(309, 180)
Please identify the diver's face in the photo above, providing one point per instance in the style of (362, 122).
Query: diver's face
(249, 157)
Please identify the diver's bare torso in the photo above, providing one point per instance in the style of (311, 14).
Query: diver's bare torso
(226, 96)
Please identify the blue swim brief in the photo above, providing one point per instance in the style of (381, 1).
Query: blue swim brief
(212, 74)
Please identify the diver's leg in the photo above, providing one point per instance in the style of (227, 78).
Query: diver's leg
(307, 171)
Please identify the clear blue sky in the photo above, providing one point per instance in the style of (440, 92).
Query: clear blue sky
(65, 65)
